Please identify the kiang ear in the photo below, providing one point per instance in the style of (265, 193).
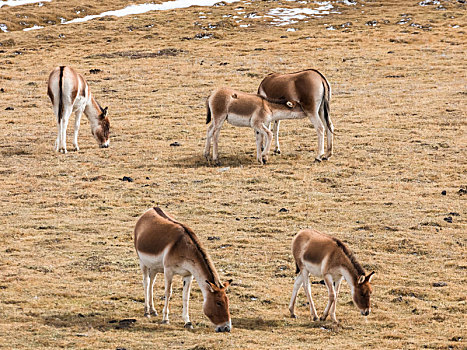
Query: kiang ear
(104, 111)
(369, 277)
(290, 104)
(361, 279)
(212, 287)
(227, 284)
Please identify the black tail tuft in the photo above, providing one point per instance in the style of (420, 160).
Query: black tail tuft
(208, 116)
(297, 269)
(60, 101)
(326, 109)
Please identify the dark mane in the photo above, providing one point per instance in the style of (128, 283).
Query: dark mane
(207, 260)
(351, 257)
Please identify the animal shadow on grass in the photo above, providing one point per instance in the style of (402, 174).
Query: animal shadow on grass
(99, 321)
(257, 323)
(227, 160)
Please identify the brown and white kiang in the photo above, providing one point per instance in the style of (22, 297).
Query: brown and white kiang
(312, 91)
(167, 246)
(69, 92)
(244, 110)
(327, 257)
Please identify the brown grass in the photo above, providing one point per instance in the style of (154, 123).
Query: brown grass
(69, 273)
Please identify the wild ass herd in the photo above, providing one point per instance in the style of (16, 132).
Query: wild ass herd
(167, 246)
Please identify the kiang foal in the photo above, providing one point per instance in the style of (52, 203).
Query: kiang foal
(247, 110)
(170, 247)
(69, 92)
(324, 256)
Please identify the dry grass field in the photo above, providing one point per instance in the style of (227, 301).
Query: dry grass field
(394, 191)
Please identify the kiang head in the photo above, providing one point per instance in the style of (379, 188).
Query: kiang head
(216, 306)
(102, 131)
(361, 296)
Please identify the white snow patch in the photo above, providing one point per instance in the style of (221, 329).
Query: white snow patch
(143, 8)
(32, 28)
(20, 2)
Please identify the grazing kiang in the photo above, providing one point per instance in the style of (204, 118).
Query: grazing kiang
(312, 90)
(167, 246)
(69, 92)
(327, 257)
(246, 110)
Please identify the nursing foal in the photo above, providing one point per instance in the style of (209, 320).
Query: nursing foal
(324, 256)
(69, 92)
(246, 110)
(169, 247)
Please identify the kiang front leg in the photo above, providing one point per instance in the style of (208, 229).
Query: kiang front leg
(78, 115)
(332, 298)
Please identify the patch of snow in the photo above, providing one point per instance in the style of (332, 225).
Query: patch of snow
(143, 8)
(21, 2)
(32, 28)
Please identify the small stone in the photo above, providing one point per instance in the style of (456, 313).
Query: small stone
(127, 178)
(213, 238)
(443, 193)
(9, 109)
(283, 210)
(95, 70)
(448, 219)
(2, 90)
(440, 284)
(456, 338)
(175, 144)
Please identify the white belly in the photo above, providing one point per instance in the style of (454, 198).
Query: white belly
(154, 262)
(314, 269)
(238, 120)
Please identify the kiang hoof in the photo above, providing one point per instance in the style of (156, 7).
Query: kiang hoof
(293, 316)
(323, 318)
(165, 322)
(147, 314)
(317, 160)
(324, 158)
(277, 151)
(188, 325)
(315, 318)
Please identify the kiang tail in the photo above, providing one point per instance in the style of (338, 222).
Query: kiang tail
(60, 96)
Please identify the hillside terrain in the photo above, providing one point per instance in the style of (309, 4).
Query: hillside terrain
(394, 191)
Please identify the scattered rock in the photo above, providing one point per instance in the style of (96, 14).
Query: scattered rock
(2, 90)
(213, 238)
(225, 246)
(120, 348)
(127, 178)
(454, 214)
(95, 70)
(443, 193)
(448, 219)
(147, 178)
(462, 191)
(224, 169)
(440, 284)
(283, 210)
(175, 144)
(456, 338)
(9, 109)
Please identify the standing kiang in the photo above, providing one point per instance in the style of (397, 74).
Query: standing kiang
(69, 92)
